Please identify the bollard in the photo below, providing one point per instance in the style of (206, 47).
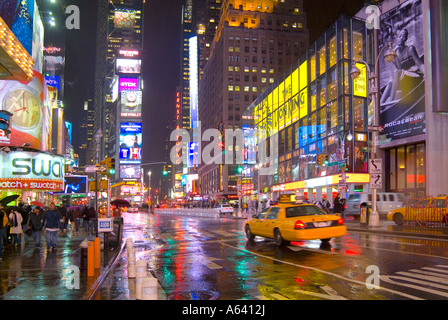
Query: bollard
(149, 288)
(132, 271)
(90, 259)
(97, 252)
(141, 268)
(138, 288)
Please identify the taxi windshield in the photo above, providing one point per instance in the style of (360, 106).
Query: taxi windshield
(303, 211)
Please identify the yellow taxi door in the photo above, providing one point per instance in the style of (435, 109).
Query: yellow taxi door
(269, 222)
(257, 223)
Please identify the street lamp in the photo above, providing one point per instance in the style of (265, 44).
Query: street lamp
(389, 57)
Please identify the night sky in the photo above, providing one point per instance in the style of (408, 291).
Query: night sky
(162, 47)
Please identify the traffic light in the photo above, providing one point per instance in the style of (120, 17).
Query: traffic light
(110, 166)
(319, 160)
(239, 170)
(164, 172)
(325, 159)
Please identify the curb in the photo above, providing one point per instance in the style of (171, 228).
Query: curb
(397, 233)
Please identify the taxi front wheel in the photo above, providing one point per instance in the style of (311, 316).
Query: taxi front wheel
(250, 236)
(279, 241)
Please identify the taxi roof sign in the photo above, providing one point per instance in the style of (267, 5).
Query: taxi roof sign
(287, 198)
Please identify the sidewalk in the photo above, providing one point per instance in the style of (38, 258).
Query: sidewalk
(30, 273)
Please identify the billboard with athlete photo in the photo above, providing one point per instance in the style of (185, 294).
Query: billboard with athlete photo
(402, 83)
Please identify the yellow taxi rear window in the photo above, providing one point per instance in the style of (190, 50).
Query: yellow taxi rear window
(303, 211)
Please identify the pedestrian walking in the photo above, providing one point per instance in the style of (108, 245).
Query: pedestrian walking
(64, 220)
(92, 218)
(35, 224)
(85, 219)
(77, 214)
(51, 223)
(15, 219)
(24, 211)
(337, 209)
(3, 223)
(71, 219)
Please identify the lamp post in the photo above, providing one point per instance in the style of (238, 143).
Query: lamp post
(389, 57)
(347, 136)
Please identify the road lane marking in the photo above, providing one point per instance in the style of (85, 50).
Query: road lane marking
(331, 293)
(323, 271)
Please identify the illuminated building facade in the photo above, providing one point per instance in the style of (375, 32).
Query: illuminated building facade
(254, 43)
(315, 106)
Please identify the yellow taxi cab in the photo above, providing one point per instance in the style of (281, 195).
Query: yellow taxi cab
(288, 222)
(426, 209)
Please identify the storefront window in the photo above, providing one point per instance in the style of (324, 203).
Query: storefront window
(288, 142)
(312, 68)
(282, 143)
(401, 168)
(358, 113)
(393, 169)
(332, 52)
(321, 55)
(322, 122)
(332, 116)
(288, 171)
(357, 46)
(345, 42)
(313, 97)
(281, 172)
(420, 166)
(296, 135)
(332, 85)
(322, 87)
(313, 127)
(303, 132)
(410, 167)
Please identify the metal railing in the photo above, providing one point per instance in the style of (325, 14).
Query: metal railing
(427, 212)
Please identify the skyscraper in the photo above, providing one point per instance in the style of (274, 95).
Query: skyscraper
(254, 43)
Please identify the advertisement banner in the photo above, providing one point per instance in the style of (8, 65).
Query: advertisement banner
(128, 84)
(402, 84)
(31, 171)
(131, 104)
(129, 66)
(25, 101)
(130, 135)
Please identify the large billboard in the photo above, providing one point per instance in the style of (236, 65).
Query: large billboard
(130, 142)
(75, 185)
(131, 104)
(25, 101)
(402, 83)
(128, 84)
(129, 66)
(31, 171)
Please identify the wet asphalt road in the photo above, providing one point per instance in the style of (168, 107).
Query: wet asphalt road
(197, 258)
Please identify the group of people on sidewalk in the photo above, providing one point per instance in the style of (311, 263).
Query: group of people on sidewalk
(26, 221)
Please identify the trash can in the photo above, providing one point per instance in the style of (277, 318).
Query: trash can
(364, 215)
(116, 235)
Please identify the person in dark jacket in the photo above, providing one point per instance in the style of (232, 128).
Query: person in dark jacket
(85, 219)
(3, 223)
(35, 223)
(338, 206)
(51, 223)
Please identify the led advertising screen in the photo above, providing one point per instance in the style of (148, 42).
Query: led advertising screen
(130, 135)
(125, 19)
(131, 104)
(128, 84)
(129, 66)
(75, 185)
(131, 171)
(130, 155)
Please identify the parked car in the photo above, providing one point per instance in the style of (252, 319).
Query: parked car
(224, 208)
(386, 201)
(288, 222)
